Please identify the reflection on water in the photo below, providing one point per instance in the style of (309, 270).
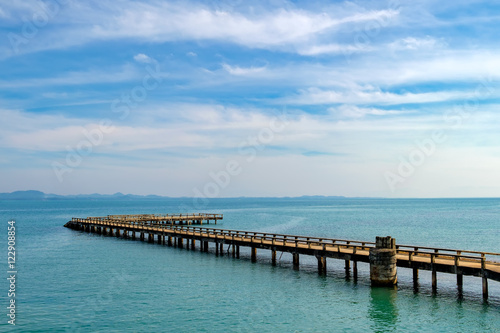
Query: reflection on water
(382, 310)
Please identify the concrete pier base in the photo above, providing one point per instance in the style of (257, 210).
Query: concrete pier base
(383, 269)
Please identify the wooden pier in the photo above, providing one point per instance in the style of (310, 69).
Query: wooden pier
(177, 230)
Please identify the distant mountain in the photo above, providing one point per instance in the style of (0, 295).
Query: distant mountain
(37, 195)
(23, 195)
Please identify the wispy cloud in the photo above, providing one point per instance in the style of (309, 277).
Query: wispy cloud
(314, 96)
(236, 70)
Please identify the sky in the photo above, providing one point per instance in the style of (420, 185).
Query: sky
(250, 98)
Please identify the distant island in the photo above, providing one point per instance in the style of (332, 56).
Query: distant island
(38, 195)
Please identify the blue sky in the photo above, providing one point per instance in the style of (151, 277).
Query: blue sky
(238, 98)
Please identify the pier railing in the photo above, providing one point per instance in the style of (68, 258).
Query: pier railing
(384, 255)
(408, 252)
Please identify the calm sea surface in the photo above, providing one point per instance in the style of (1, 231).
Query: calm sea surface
(74, 281)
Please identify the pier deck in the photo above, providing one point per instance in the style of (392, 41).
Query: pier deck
(167, 229)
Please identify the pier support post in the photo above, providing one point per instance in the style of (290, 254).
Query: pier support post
(169, 242)
(460, 283)
(111, 232)
(118, 232)
(296, 261)
(237, 251)
(193, 244)
(205, 247)
(383, 269)
(180, 244)
(321, 265)
(355, 270)
(273, 257)
(221, 250)
(217, 249)
(485, 278)
(434, 273)
(159, 241)
(234, 251)
(254, 254)
(133, 235)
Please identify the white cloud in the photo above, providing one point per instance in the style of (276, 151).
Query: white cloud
(352, 111)
(315, 96)
(287, 29)
(413, 43)
(142, 58)
(236, 70)
(333, 48)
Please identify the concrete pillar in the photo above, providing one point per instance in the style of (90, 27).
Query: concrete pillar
(254, 254)
(295, 261)
(383, 269)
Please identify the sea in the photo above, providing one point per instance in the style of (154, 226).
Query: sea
(73, 281)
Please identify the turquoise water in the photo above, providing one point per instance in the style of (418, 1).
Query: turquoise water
(73, 281)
